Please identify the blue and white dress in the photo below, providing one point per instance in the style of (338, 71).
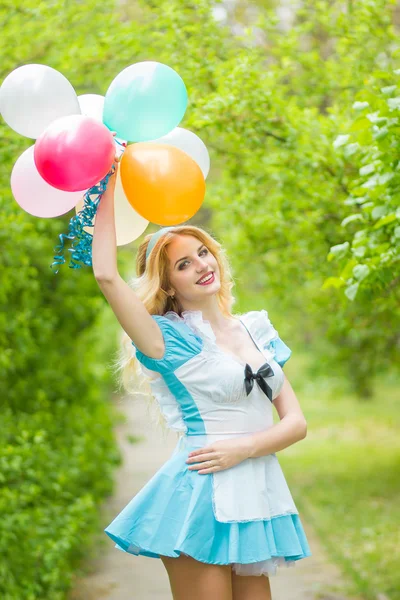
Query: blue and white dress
(244, 516)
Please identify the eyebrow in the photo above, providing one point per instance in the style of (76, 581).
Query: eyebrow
(183, 258)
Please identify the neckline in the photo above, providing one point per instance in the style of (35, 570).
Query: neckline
(235, 358)
(224, 352)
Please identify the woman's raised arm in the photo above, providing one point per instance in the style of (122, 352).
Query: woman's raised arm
(128, 308)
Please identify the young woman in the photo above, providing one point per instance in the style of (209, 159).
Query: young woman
(219, 512)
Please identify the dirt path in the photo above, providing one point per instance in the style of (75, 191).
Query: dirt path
(115, 575)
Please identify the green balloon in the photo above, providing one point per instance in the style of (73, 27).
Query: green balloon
(145, 101)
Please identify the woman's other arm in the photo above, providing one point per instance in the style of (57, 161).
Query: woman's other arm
(128, 308)
(291, 428)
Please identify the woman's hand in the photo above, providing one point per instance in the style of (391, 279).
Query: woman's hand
(219, 456)
(113, 177)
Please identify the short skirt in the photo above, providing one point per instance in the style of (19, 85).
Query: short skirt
(173, 514)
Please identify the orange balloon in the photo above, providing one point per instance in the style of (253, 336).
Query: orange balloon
(162, 183)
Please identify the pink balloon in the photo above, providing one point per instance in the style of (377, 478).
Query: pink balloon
(74, 152)
(36, 196)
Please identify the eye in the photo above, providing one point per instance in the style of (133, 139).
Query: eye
(182, 264)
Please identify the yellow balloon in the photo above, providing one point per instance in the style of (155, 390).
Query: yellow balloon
(162, 183)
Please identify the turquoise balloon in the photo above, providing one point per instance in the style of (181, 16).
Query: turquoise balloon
(145, 101)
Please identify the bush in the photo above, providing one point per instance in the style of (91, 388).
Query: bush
(57, 448)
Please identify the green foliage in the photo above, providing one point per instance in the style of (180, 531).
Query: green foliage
(51, 486)
(55, 369)
(372, 250)
(345, 477)
(56, 428)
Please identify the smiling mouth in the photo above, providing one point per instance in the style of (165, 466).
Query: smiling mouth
(209, 278)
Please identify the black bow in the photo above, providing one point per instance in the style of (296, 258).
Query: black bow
(264, 371)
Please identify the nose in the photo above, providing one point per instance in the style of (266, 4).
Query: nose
(202, 264)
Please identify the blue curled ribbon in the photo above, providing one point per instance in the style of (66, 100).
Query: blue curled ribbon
(81, 246)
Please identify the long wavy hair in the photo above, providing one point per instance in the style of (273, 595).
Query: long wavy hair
(150, 285)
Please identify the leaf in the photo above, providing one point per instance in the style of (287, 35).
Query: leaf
(360, 236)
(341, 140)
(385, 178)
(378, 212)
(351, 218)
(359, 252)
(376, 118)
(347, 270)
(394, 103)
(360, 105)
(361, 272)
(381, 133)
(385, 220)
(368, 206)
(389, 89)
(335, 282)
(350, 201)
(351, 149)
(371, 182)
(338, 251)
(360, 124)
(352, 290)
(367, 169)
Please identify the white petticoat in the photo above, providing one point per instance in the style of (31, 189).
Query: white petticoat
(266, 567)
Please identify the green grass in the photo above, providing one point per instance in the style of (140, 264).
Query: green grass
(345, 476)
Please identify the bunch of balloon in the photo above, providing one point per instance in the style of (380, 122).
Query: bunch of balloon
(163, 169)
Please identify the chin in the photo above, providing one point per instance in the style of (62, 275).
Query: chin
(214, 288)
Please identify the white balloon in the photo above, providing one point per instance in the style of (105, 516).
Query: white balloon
(33, 96)
(129, 225)
(92, 106)
(34, 194)
(190, 143)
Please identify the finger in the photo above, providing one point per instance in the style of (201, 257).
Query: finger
(211, 470)
(205, 450)
(201, 457)
(204, 465)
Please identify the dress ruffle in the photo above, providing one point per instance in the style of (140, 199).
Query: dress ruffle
(173, 514)
(256, 321)
(194, 319)
(267, 337)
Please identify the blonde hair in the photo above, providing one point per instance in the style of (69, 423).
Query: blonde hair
(150, 286)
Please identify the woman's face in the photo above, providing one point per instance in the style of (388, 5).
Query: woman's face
(190, 262)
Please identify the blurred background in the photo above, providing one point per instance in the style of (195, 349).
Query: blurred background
(298, 102)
